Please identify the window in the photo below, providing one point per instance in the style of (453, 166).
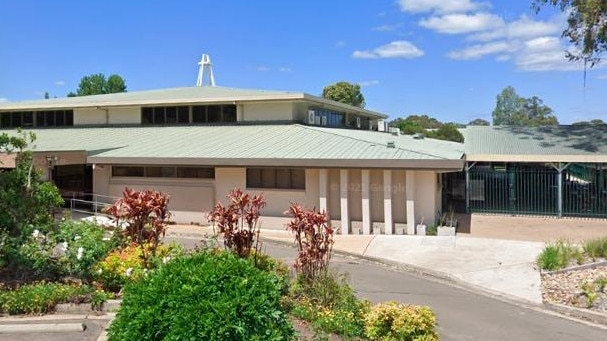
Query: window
(329, 118)
(164, 172)
(127, 171)
(196, 172)
(53, 118)
(160, 172)
(181, 115)
(279, 178)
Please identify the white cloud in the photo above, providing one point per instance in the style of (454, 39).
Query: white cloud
(503, 58)
(544, 54)
(462, 23)
(395, 49)
(522, 28)
(368, 83)
(340, 43)
(440, 6)
(263, 68)
(60, 83)
(284, 69)
(3, 99)
(387, 28)
(481, 50)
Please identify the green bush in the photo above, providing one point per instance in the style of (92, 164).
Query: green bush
(396, 321)
(596, 248)
(40, 298)
(204, 296)
(558, 256)
(329, 303)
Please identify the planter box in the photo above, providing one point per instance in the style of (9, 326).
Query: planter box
(420, 230)
(445, 231)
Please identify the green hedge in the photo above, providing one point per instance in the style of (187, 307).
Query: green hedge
(205, 296)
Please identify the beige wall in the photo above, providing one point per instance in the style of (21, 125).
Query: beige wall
(399, 199)
(125, 115)
(226, 179)
(376, 196)
(425, 197)
(334, 195)
(267, 111)
(130, 115)
(62, 158)
(300, 112)
(89, 116)
(189, 198)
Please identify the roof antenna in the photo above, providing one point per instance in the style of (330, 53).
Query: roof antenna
(205, 63)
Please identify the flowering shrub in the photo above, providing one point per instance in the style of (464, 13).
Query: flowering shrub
(40, 298)
(145, 215)
(127, 265)
(237, 222)
(71, 250)
(83, 244)
(396, 321)
(314, 239)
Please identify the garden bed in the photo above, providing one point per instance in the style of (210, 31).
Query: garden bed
(575, 275)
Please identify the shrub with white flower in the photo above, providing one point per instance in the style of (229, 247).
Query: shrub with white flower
(79, 253)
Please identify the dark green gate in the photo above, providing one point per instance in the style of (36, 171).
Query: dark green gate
(516, 188)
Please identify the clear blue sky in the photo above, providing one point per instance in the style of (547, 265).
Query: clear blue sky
(447, 59)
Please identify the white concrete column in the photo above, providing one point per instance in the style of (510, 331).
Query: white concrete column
(343, 194)
(410, 196)
(388, 223)
(323, 191)
(366, 200)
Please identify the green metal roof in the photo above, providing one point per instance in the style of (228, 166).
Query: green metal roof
(248, 145)
(176, 96)
(557, 141)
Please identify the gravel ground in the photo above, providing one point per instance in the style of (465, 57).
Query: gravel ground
(567, 288)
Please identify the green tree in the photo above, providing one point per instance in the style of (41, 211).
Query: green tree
(479, 122)
(26, 200)
(512, 109)
(46, 95)
(508, 104)
(97, 84)
(535, 113)
(345, 92)
(447, 132)
(586, 27)
(115, 84)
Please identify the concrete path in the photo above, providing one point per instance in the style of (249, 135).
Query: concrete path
(500, 266)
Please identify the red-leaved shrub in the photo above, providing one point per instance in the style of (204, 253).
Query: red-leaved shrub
(237, 221)
(314, 239)
(145, 216)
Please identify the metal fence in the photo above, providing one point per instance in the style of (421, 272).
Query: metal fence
(530, 189)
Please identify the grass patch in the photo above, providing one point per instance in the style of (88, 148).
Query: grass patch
(595, 248)
(559, 255)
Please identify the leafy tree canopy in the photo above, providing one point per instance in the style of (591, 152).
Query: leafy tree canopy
(512, 109)
(345, 92)
(586, 27)
(429, 126)
(447, 132)
(479, 122)
(97, 84)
